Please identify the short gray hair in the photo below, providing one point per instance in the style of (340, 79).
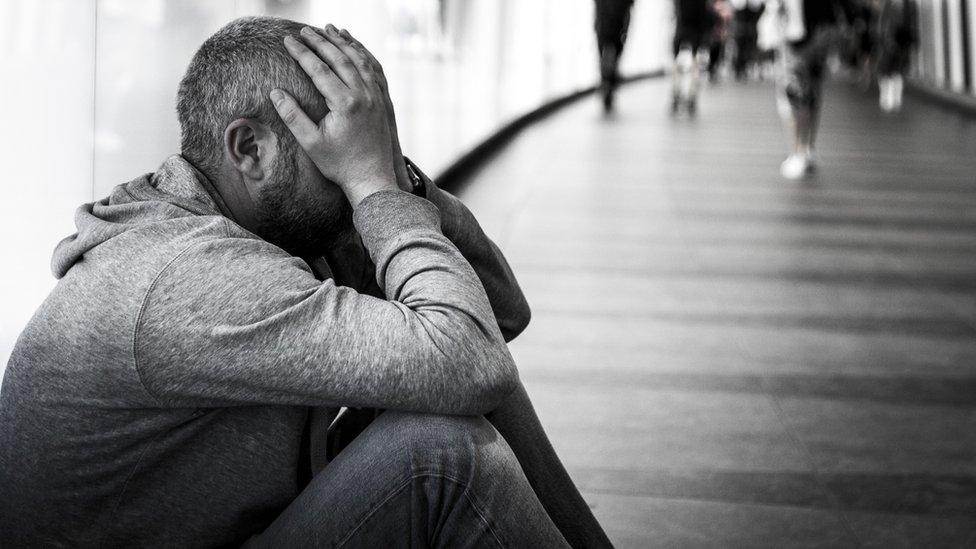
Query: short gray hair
(230, 77)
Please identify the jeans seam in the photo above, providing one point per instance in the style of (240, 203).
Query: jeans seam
(404, 484)
(477, 510)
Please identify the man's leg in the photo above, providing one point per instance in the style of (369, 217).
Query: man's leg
(417, 480)
(517, 421)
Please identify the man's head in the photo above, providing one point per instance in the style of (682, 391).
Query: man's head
(231, 132)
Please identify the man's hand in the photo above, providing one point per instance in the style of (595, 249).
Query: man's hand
(399, 164)
(351, 145)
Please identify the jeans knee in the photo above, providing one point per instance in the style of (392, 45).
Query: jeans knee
(460, 445)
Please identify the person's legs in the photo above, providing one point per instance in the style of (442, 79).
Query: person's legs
(891, 64)
(611, 26)
(897, 91)
(687, 68)
(806, 119)
(810, 143)
(606, 55)
(609, 56)
(698, 64)
(884, 92)
(682, 48)
(716, 52)
(802, 124)
(677, 71)
(799, 106)
(422, 481)
(818, 66)
(741, 56)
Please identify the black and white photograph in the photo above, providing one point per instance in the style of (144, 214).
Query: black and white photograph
(488, 274)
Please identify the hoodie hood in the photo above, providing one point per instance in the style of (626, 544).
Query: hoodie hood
(177, 189)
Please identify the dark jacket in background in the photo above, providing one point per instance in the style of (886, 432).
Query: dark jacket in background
(612, 20)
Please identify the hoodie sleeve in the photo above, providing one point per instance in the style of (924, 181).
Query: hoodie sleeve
(460, 226)
(237, 321)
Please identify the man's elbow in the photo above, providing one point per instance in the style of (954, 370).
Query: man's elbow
(496, 379)
(516, 322)
(501, 384)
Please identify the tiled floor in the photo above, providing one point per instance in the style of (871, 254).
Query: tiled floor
(723, 358)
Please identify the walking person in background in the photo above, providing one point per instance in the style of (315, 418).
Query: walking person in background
(723, 13)
(895, 38)
(694, 20)
(746, 36)
(859, 44)
(612, 20)
(811, 30)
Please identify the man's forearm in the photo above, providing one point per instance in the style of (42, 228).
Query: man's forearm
(517, 422)
(460, 226)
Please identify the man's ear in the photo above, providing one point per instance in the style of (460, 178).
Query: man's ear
(247, 149)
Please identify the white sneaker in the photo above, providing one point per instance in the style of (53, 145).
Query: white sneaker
(811, 159)
(796, 166)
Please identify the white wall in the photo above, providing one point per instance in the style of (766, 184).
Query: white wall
(933, 53)
(971, 13)
(955, 53)
(47, 61)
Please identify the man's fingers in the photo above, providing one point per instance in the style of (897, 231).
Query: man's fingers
(300, 125)
(332, 88)
(331, 53)
(366, 54)
(399, 166)
(343, 40)
(379, 76)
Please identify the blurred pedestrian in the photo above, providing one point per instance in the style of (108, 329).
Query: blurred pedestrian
(747, 37)
(770, 38)
(895, 38)
(694, 20)
(612, 20)
(723, 15)
(859, 46)
(811, 30)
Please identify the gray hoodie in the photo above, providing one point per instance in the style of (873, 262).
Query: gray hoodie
(158, 396)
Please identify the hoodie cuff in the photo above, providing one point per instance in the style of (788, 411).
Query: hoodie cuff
(386, 217)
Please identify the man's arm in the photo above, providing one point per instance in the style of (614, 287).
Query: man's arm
(236, 321)
(509, 305)
(460, 226)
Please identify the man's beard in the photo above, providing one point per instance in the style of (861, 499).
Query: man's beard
(300, 229)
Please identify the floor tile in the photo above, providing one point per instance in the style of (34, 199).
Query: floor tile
(637, 522)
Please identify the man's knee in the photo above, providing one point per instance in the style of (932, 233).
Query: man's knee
(403, 470)
(422, 431)
(462, 444)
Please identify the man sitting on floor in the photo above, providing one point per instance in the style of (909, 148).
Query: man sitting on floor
(212, 318)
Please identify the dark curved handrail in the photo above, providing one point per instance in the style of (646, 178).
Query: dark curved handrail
(453, 177)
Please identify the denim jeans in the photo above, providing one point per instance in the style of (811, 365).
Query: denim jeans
(417, 480)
